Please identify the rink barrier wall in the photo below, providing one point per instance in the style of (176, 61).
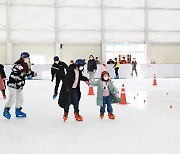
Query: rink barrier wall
(144, 70)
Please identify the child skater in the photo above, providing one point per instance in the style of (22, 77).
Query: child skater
(107, 93)
(16, 83)
(3, 83)
(70, 91)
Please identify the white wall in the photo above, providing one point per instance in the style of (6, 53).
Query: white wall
(165, 53)
(75, 51)
(45, 50)
(2, 53)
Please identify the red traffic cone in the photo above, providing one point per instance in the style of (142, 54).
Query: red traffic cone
(123, 96)
(154, 81)
(91, 91)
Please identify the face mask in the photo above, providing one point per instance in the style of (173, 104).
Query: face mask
(56, 62)
(81, 68)
(106, 78)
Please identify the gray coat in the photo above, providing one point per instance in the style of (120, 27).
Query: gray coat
(112, 91)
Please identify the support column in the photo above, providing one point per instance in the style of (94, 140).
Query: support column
(8, 35)
(103, 44)
(147, 49)
(57, 44)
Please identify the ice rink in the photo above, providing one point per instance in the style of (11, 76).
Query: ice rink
(149, 127)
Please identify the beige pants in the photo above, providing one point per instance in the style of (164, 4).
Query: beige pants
(14, 95)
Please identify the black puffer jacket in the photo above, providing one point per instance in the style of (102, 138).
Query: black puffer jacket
(2, 73)
(17, 76)
(91, 66)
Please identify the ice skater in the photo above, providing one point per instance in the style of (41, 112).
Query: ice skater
(91, 67)
(70, 91)
(2, 80)
(15, 85)
(116, 68)
(58, 71)
(134, 64)
(107, 94)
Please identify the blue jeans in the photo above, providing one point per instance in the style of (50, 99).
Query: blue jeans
(106, 100)
(72, 99)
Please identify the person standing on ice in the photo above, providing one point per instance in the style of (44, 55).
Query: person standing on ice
(70, 91)
(3, 76)
(107, 94)
(116, 68)
(134, 63)
(91, 67)
(15, 84)
(57, 70)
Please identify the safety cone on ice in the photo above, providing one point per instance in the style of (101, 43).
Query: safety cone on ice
(123, 96)
(91, 91)
(154, 81)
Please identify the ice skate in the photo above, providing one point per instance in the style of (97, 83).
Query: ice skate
(54, 96)
(78, 117)
(6, 113)
(116, 77)
(101, 116)
(111, 116)
(19, 113)
(65, 116)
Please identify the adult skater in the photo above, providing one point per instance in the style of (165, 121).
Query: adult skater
(15, 85)
(3, 83)
(70, 91)
(91, 67)
(107, 94)
(134, 63)
(116, 68)
(57, 70)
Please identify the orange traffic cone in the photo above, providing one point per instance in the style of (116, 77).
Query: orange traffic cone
(91, 91)
(154, 81)
(123, 96)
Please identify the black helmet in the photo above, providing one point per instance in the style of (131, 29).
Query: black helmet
(56, 58)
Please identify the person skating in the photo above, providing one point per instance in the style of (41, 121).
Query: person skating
(107, 94)
(134, 64)
(91, 67)
(3, 77)
(116, 68)
(70, 91)
(57, 70)
(15, 84)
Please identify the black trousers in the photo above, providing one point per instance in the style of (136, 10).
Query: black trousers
(57, 85)
(116, 71)
(134, 69)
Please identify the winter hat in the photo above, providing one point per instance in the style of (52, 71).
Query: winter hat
(80, 62)
(56, 58)
(24, 55)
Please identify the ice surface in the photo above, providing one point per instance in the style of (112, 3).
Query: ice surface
(139, 128)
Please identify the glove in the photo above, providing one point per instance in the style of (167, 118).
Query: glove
(35, 74)
(52, 79)
(117, 94)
